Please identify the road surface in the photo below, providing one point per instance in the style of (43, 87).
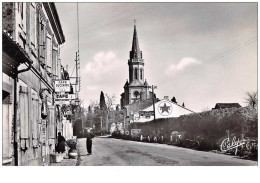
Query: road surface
(117, 152)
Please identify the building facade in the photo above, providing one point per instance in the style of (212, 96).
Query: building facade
(32, 36)
(136, 87)
(163, 109)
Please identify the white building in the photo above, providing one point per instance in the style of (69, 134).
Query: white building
(163, 109)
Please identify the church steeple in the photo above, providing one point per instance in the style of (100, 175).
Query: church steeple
(137, 89)
(135, 53)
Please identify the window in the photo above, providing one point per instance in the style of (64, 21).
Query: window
(24, 113)
(35, 119)
(135, 73)
(141, 73)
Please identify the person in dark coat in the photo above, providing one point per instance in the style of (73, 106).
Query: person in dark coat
(89, 141)
(61, 143)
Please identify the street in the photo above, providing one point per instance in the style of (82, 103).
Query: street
(117, 152)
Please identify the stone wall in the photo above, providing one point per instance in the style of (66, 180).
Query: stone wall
(8, 17)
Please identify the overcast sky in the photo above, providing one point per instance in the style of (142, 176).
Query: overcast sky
(201, 53)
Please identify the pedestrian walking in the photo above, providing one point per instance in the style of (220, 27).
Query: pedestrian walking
(60, 148)
(90, 135)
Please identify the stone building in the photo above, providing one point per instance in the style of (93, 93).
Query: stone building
(32, 35)
(136, 88)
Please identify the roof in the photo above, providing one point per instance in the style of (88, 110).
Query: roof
(136, 82)
(140, 105)
(227, 105)
(176, 104)
(126, 84)
(55, 21)
(135, 53)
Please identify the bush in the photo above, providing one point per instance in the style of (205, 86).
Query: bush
(72, 143)
(116, 134)
(206, 130)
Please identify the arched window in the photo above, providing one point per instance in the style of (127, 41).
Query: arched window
(135, 73)
(141, 73)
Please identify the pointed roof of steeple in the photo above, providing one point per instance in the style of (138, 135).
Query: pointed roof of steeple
(135, 52)
(126, 84)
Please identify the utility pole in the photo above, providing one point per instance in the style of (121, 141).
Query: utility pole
(153, 87)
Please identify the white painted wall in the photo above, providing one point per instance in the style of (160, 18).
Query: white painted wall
(163, 109)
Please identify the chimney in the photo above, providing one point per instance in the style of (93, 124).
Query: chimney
(166, 97)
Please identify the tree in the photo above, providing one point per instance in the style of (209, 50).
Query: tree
(251, 99)
(102, 102)
(117, 108)
(174, 100)
(94, 117)
(110, 102)
(89, 109)
(89, 122)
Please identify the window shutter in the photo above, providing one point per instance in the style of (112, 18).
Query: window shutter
(20, 12)
(54, 61)
(6, 131)
(24, 113)
(35, 118)
(23, 14)
(42, 41)
(32, 24)
(49, 54)
(51, 122)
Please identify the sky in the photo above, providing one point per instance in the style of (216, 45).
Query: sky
(200, 53)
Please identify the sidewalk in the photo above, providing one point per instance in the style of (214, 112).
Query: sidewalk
(65, 162)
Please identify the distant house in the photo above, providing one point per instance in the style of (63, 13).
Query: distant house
(138, 106)
(226, 105)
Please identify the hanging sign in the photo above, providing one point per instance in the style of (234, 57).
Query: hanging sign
(62, 102)
(62, 85)
(65, 96)
(43, 131)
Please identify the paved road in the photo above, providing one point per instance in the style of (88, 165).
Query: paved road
(117, 152)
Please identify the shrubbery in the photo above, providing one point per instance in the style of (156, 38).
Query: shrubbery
(206, 130)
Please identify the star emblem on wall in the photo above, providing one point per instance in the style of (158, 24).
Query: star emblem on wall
(165, 108)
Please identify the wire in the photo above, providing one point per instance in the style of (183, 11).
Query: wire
(125, 16)
(226, 53)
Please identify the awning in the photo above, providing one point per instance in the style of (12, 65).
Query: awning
(16, 55)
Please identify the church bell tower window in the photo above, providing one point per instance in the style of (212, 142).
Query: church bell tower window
(141, 73)
(135, 73)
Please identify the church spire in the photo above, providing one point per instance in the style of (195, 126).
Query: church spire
(135, 53)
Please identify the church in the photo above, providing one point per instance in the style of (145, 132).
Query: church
(136, 88)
